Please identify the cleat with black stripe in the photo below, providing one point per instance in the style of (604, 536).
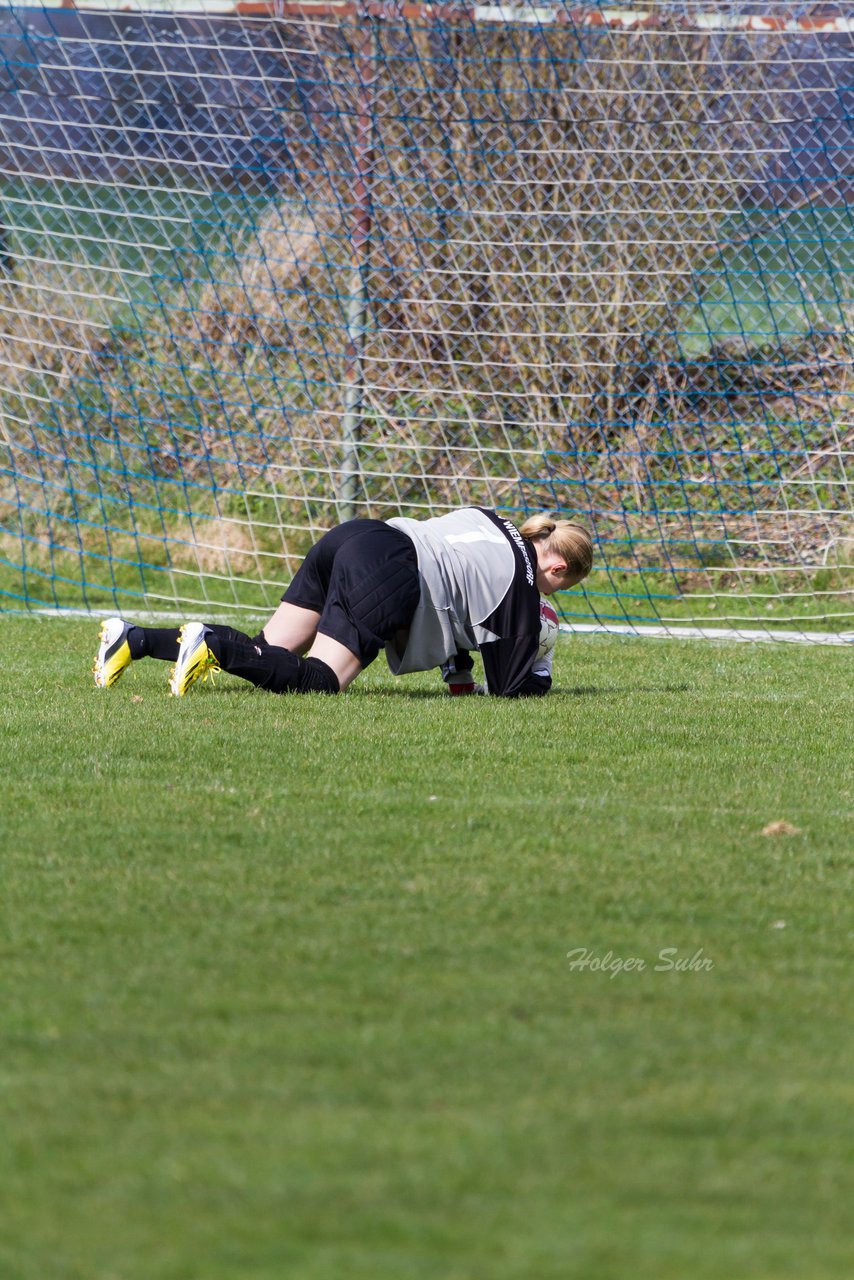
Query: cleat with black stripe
(113, 654)
(195, 659)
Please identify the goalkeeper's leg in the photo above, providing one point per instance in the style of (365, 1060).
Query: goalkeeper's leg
(292, 627)
(198, 648)
(207, 647)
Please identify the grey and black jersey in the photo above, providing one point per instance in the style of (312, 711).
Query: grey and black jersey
(478, 591)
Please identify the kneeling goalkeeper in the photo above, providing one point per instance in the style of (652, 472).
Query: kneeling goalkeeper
(428, 591)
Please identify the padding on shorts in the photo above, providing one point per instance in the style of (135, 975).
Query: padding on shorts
(362, 578)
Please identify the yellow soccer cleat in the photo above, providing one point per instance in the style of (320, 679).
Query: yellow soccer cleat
(113, 653)
(195, 659)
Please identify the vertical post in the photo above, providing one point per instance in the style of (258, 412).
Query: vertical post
(350, 485)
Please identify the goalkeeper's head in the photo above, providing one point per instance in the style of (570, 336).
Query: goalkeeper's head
(564, 552)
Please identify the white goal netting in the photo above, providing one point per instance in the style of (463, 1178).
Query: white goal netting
(267, 267)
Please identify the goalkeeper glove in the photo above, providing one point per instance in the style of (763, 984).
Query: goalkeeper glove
(460, 681)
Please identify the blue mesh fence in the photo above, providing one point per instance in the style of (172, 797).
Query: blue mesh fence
(259, 272)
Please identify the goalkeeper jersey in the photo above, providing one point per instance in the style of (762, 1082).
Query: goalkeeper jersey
(478, 591)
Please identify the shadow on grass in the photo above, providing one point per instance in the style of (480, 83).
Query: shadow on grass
(577, 691)
(618, 690)
(232, 689)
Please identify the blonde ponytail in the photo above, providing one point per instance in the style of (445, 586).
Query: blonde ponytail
(572, 542)
(539, 526)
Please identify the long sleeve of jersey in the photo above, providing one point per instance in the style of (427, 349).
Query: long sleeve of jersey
(508, 670)
(511, 662)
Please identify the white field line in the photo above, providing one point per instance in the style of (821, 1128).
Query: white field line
(198, 613)
(677, 632)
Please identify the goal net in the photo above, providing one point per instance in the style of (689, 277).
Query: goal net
(271, 266)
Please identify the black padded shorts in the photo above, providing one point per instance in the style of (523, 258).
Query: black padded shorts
(362, 578)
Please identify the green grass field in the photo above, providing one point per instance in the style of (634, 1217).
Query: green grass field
(286, 993)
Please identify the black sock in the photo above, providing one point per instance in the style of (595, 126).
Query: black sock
(154, 642)
(269, 667)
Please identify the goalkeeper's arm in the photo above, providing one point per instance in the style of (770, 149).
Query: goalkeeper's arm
(457, 673)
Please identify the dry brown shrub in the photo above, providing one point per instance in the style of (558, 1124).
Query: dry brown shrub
(281, 289)
(527, 256)
(217, 545)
